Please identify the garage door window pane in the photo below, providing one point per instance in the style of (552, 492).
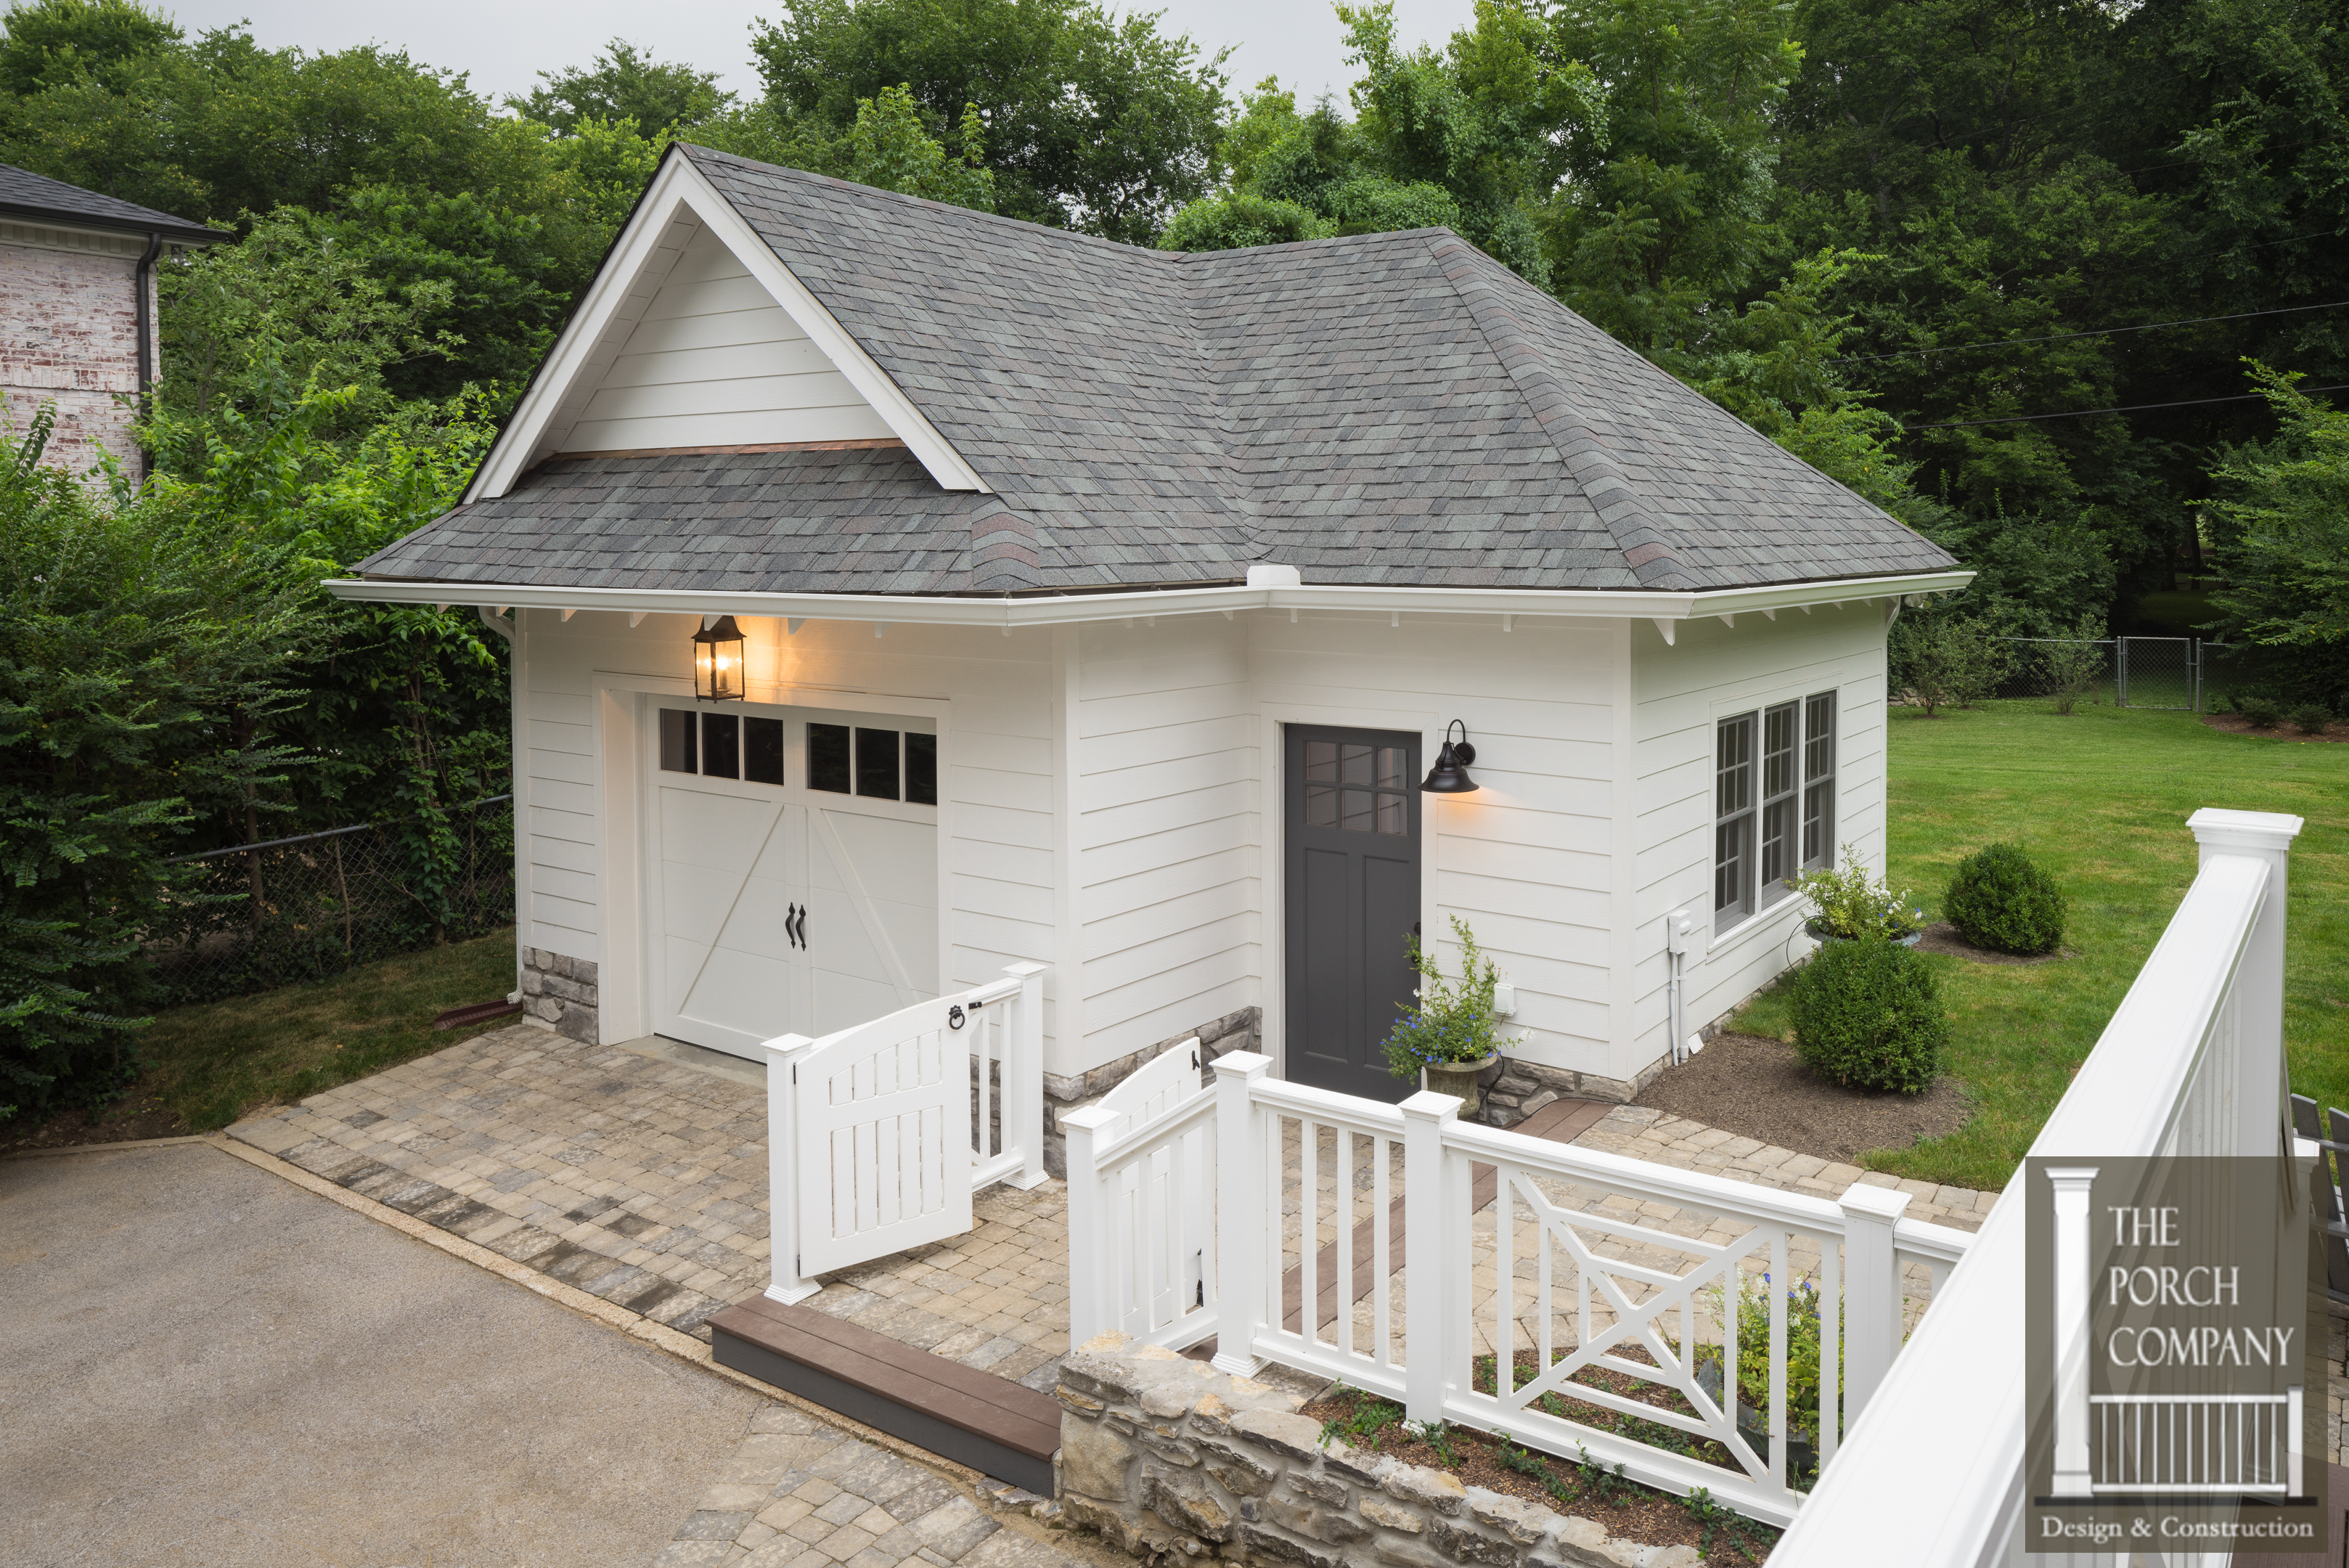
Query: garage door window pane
(827, 746)
(721, 747)
(762, 751)
(877, 763)
(677, 751)
(921, 769)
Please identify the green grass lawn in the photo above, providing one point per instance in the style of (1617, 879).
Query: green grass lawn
(211, 1062)
(2100, 798)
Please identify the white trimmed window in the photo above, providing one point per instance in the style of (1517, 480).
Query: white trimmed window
(1773, 804)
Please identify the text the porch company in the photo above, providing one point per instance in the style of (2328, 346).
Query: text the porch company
(2195, 1285)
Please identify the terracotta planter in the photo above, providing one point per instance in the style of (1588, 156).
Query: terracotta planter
(1458, 1078)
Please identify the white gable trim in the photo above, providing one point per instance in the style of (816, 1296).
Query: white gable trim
(681, 191)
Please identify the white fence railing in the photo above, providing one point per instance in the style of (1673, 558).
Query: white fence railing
(2192, 1062)
(878, 1134)
(1414, 1257)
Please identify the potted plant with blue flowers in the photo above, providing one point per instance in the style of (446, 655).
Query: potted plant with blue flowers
(1849, 906)
(1447, 1040)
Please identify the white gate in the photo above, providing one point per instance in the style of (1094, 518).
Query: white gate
(878, 1134)
(1141, 1179)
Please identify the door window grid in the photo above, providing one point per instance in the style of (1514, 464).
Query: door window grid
(879, 765)
(1757, 801)
(1357, 788)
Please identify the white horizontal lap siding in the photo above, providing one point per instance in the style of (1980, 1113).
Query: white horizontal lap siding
(1680, 693)
(1526, 861)
(560, 840)
(1167, 888)
(714, 361)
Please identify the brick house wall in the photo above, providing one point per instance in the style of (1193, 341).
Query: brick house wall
(67, 336)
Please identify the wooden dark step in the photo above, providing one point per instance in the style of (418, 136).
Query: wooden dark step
(989, 1423)
(1560, 1121)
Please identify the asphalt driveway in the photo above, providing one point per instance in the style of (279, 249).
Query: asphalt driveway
(207, 1365)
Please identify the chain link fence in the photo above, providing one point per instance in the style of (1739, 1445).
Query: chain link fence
(264, 915)
(2125, 672)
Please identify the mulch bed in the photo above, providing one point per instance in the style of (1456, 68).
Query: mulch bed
(1758, 1088)
(1942, 937)
(1625, 1508)
(2236, 724)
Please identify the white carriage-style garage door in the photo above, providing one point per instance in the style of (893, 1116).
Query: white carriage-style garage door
(792, 870)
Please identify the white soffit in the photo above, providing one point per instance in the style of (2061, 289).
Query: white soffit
(678, 208)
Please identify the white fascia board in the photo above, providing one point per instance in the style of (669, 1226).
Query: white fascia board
(679, 187)
(1061, 609)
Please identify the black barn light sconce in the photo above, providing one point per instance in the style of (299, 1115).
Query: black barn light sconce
(718, 661)
(1450, 773)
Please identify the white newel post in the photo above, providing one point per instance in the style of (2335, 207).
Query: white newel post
(1426, 1116)
(1092, 1243)
(1241, 1184)
(2295, 1462)
(2263, 1094)
(782, 1168)
(1023, 1077)
(1871, 1291)
(2070, 1314)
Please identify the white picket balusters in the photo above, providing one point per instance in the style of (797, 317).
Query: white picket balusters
(878, 1134)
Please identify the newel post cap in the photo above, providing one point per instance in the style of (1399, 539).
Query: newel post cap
(1864, 1199)
(1243, 1064)
(2216, 828)
(1427, 1105)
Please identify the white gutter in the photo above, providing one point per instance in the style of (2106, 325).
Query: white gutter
(1061, 609)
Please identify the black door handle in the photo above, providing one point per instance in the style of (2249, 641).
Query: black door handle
(800, 920)
(795, 925)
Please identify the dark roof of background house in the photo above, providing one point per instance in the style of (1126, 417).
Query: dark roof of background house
(25, 195)
(1391, 408)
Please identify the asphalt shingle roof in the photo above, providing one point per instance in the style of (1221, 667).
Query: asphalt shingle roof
(23, 193)
(1382, 409)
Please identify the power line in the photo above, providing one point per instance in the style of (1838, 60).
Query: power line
(2126, 409)
(2099, 332)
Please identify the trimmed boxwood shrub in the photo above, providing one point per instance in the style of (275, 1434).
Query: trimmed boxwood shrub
(1868, 1015)
(2002, 899)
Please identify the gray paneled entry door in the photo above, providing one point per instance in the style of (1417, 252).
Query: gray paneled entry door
(791, 860)
(1350, 833)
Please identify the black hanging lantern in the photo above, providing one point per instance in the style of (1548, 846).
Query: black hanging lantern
(1450, 773)
(718, 661)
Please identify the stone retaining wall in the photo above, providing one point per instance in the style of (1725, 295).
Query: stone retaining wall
(1166, 1456)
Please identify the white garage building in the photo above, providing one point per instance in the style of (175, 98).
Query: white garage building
(1105, 607)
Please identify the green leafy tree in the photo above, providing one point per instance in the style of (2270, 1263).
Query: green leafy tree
(624, 83)
(1090, 121)
(142, 656)
(2280, 528)
(888, 146)
(55, 43)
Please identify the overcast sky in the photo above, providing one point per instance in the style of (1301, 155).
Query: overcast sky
(504, 43)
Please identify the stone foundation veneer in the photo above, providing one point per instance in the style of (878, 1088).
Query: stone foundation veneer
(1167, 1457)
(559, 993)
